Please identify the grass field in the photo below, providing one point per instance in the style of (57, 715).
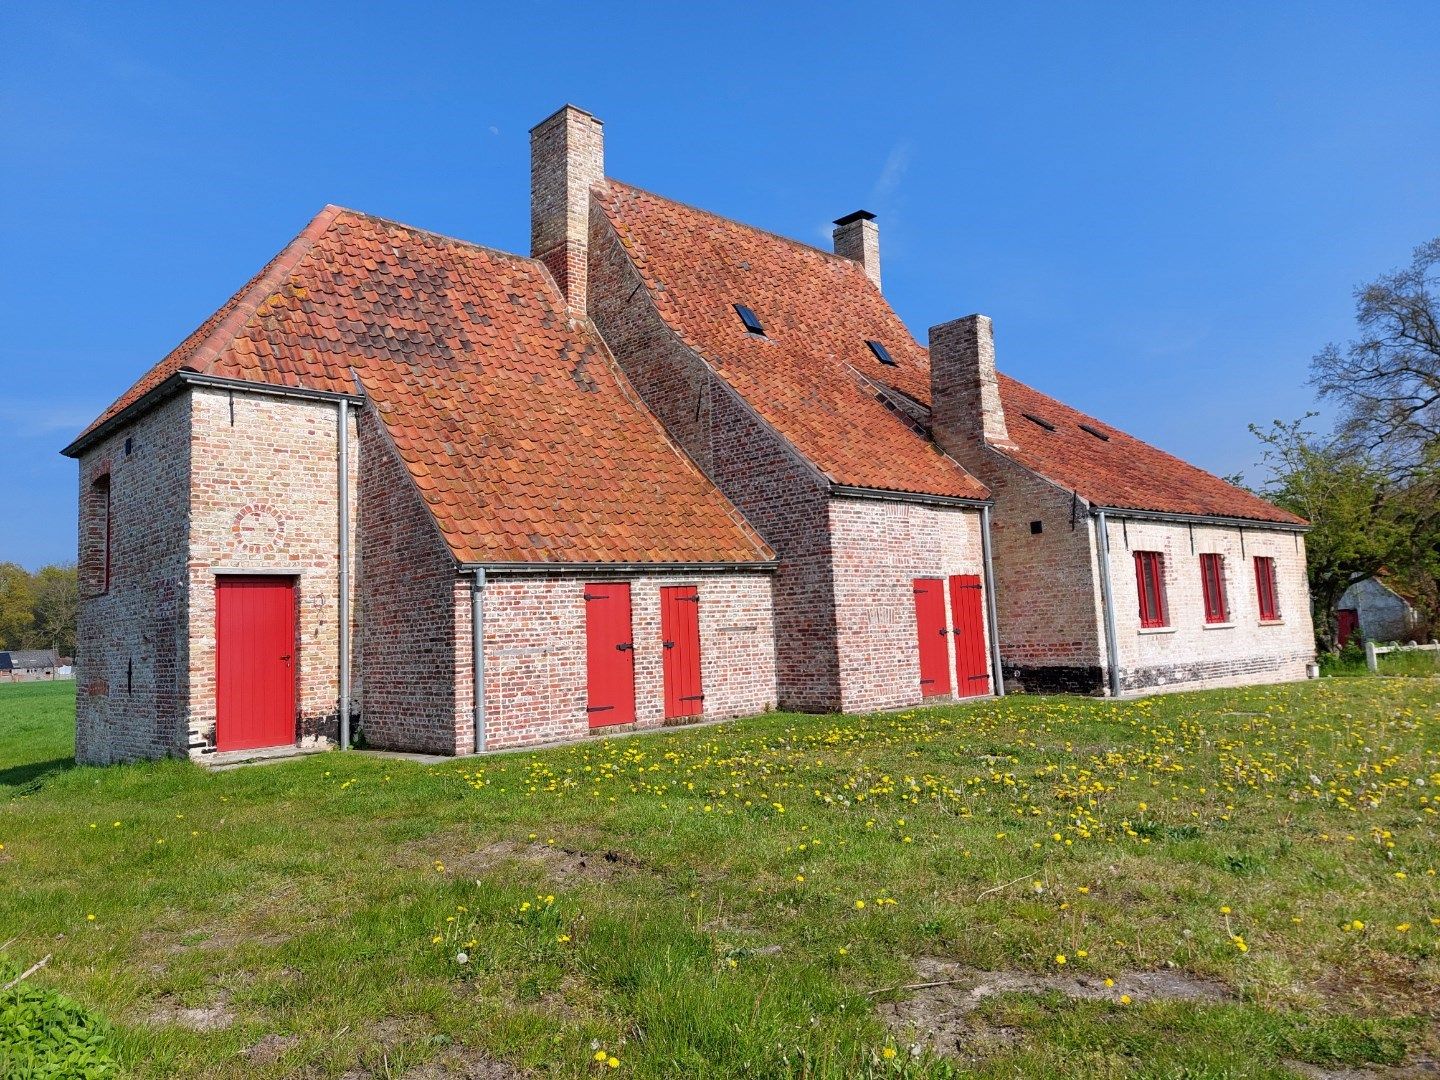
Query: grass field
(1254, 870)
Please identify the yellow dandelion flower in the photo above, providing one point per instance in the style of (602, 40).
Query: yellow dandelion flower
(888, 1053)
(1060, 958)
(1124, 999)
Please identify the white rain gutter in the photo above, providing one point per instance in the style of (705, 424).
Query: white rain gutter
(990, 607)
(1107, 598)
(477, 650)
(342, 458)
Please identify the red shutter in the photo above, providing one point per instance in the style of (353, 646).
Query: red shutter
(254, 662)
(967, 630)
(609, 655)
(680, 640)
(930, 627)
(1150, 583)
(1212, 578)
(1265, 587)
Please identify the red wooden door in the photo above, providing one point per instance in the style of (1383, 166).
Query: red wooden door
(680, 637)
(610, 655)
(1347, 623)
(967, 630)
(930, 626)
(254, 662)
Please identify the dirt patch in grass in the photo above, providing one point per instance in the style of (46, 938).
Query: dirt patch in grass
(464, 1065)
(560, 863)
(940, 1016)
(213, 1017)
(1418, 1069)
(1384, 986)
(270, 1049)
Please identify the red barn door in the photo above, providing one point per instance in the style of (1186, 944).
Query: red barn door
(1347, 623)
(609, 654)
(680, 636)
(930, 626)
(254, 662)
(967, 630)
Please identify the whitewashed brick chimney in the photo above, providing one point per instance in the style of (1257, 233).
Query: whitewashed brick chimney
(965, 406)
(857, 237)
(567, 158)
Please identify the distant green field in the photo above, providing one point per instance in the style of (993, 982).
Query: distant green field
(1254, 870)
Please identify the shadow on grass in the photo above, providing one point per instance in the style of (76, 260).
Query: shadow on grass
(31, 776)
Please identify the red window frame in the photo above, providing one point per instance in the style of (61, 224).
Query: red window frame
(1212, 583)
(1265, 589)
(1150, 583)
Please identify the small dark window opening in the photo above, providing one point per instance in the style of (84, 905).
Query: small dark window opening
(750, 319)
(881, 353)
(1095, 431)
(129, 445)
(129, 676)
(1036, 528)
(1036, 420)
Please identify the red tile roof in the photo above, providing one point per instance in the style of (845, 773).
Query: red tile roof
(522, 437)
(1122, 472)
(818, 310)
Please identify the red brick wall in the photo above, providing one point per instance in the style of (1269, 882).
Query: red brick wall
(415, 665)
(777, 492)
(132, 645)
(264, 500)
(1049, 604)
(535, 662)
(880, 548)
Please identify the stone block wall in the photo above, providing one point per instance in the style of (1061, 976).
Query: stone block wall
(132, 646)
(1190, 654)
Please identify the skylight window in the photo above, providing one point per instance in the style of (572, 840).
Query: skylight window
(1037, 420)
(1095, 431)
(750, 319)
(881, 353)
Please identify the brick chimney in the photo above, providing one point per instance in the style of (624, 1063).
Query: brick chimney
(567, 157)
(965, 407)
(858, 237)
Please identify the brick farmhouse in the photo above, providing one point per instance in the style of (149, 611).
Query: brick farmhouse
(413, 492)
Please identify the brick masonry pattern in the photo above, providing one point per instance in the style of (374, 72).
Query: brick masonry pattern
(845, 620)
(132, 641)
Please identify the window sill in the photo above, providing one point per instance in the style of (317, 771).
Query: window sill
(1219, 626)
(1157, 630)
(1272, 622)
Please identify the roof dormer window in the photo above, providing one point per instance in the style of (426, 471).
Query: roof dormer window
(881, 353)
(1040, 422)
(750, 319)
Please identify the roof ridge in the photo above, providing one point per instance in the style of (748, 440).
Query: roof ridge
(443, 237)
(209, 350)
(741, 224)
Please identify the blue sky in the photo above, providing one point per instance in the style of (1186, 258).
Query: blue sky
(1164, 207)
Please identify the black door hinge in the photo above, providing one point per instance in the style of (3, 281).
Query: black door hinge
(625, 646)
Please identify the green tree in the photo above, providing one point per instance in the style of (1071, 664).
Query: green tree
(57, 603)
(17, 606)
(1356, 527)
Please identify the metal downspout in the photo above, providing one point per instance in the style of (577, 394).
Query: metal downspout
(990, 607)
(342, 468)
(1107, 598)
(477, 650)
